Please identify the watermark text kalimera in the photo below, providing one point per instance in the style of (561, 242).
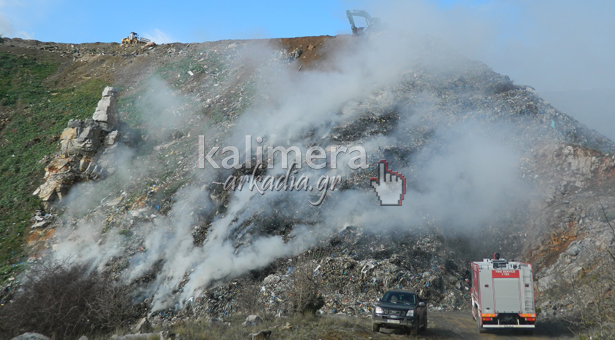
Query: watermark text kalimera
(316, 158)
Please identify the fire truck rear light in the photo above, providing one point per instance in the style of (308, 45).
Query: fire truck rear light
(530, 319)
(487, 319)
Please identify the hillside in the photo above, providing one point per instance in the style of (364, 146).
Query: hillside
(490, 167)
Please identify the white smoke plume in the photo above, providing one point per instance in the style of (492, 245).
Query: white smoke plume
(464, 180)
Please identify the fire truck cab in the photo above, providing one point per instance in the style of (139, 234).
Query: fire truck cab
(503, 295)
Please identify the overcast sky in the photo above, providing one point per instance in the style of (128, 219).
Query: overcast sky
(564, 49)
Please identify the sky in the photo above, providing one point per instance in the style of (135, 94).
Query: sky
(564, 49)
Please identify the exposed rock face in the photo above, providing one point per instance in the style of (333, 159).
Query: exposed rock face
(575, 165)
(31, 336)
(59, 176)
(106, 113)
(253, 321)
(81, 138)
(80, 142)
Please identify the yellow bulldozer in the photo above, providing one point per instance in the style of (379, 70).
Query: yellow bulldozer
(134, 38)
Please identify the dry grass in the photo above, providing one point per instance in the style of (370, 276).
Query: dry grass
(296, 327)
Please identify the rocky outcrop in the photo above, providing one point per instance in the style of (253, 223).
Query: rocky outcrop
(574, 165)
(106, 112)
(31, 336)
(80, 143)
(81, 138)
(252, 320)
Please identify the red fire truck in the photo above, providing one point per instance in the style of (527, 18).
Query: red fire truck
(503, 295)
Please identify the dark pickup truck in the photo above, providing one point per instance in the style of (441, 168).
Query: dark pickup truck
(400, 309)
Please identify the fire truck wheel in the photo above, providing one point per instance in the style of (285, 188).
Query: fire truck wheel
(479, 325)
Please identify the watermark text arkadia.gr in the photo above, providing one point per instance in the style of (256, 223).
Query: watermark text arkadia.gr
(315, 158)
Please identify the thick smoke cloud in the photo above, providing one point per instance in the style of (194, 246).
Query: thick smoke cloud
(562, 48)
(465, 179)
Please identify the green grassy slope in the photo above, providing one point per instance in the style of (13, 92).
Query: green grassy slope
(33, 115)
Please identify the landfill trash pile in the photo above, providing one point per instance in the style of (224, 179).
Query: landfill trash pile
(349, 282)
(351, 287)
(156, 222)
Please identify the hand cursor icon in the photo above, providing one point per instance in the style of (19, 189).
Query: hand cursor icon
(390, 186)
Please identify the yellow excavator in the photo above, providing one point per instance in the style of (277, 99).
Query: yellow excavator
(134, 38)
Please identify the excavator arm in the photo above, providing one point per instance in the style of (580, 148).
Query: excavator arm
(360, 13)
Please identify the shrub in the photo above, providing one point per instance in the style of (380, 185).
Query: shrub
(67, 300)
(247, 299)
(305, 290)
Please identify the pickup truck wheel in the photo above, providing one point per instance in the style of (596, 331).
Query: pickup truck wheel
(415, 329)
(424, 325)
(375, 327)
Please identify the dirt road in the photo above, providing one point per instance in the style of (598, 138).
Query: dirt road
(460, 325)
(443, 326)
